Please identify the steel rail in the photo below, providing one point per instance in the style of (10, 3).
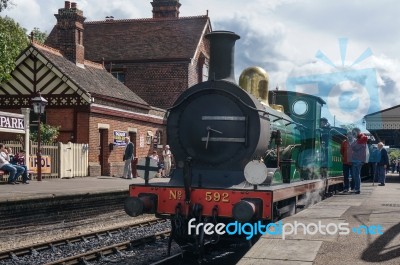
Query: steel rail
(59, 242)
(101, 252)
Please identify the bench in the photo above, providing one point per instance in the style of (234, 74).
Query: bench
(2, 173)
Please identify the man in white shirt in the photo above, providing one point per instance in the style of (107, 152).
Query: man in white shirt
(14, 171)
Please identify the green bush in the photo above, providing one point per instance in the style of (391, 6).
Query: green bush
(48, 133)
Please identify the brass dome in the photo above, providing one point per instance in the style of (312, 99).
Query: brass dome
(255, 81)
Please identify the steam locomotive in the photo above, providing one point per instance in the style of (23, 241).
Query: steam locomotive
(242, 153)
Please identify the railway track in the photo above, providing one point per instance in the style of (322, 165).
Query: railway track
(101, 253)
(35, 249)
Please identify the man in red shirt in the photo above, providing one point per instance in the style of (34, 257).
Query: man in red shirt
(345, 151)
(359, 156)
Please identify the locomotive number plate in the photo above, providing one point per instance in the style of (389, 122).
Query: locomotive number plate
(217, 196)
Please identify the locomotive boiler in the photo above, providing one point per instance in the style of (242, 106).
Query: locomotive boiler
(242, 152)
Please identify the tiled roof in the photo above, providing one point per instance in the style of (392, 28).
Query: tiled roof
(143, 39)
(93, 78)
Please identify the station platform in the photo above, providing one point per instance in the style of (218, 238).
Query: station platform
(373, 220)
(52, 188)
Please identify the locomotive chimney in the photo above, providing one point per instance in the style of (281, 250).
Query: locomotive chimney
(222, 48)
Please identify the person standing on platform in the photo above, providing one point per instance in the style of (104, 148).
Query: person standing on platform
(345, 151)
(359, 156)
(382, 164)
(374, 158)
(167, 156)
(128, 156)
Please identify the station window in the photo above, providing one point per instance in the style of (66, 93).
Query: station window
(159, 137)
(119, 75)
(205, 72)
(202, 68)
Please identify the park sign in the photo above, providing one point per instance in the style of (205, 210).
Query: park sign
(12, 122)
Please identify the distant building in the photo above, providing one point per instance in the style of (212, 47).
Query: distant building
(157, 58)
(384, 125)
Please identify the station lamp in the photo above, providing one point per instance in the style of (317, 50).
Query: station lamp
(39, 103)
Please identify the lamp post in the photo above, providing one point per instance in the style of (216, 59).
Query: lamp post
(39, 103)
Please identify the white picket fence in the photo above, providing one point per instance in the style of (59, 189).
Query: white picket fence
(67, 160)
(74, 160)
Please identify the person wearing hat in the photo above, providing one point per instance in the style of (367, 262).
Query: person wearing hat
(167, 156)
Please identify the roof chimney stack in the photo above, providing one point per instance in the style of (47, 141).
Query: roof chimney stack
(165, 8)
(70, 32)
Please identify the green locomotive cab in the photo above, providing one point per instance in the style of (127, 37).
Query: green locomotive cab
(316, 152)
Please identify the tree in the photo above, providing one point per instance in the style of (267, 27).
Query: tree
(48, 133)
(394, 154)
(4, 4)
(13, 40)
(39, 36)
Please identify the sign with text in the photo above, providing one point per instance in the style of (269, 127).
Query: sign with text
(119, 138)
(11, 121)
(141, 140)
(45, 163)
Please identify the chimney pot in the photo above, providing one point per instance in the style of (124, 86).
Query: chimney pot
(67, 5)
(73, 5)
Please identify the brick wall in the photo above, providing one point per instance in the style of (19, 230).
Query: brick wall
(158, 84)
(65, 119)
(195, 73)
(114, 164)
(82, 130)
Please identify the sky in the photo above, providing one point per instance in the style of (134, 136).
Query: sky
(345, 51)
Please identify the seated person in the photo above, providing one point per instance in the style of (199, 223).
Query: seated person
(19, 160)
(14, 170)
